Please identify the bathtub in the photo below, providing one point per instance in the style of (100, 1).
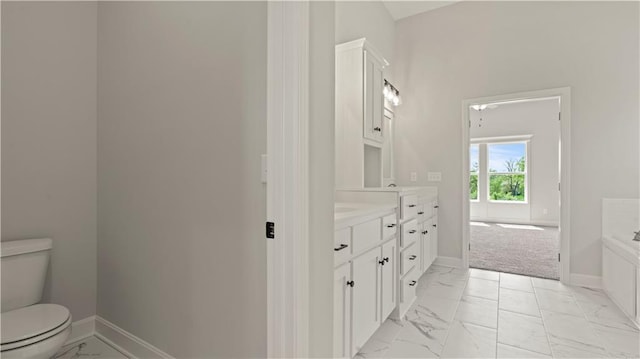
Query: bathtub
(621, 255)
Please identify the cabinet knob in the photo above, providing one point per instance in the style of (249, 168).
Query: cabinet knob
(435, 206)
(342, 246)
(435, 225)
(386, 259)
(425, 232)
(420, 212)
(391, 225)
(413, 282)
(412, 231)
(413, 257)
(411, 205)
(377, 129)
(381, 262)
(351, 283)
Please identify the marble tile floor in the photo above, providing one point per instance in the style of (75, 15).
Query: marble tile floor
(482, 314)
(91, 347)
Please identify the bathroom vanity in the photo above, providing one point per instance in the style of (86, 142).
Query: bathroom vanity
(621, 255)
(385, 239)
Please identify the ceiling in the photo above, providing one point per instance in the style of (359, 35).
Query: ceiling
(402, 9)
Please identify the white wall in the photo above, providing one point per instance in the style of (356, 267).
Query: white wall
(182, 106)
(370, 19)
(476, 49)
(321, 176)
(49, 141)
(540, 120)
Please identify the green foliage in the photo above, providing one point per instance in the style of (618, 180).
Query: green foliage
(473, 186)
(506, 187)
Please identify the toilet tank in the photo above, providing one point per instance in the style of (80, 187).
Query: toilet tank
(24, 268)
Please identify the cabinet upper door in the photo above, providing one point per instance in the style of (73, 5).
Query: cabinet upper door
(342, 312)
(373, 98)
(365, 297)
(388, 276)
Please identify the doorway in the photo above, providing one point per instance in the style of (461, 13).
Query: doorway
(516, 212)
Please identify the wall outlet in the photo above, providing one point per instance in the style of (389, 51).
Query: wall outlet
(414, 176)
(434, 176)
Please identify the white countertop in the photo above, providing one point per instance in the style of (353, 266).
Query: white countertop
(347, 213)
(398, 189)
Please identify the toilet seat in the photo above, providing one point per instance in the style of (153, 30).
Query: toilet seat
(29, 325)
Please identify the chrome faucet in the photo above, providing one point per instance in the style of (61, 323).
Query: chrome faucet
(637, 236)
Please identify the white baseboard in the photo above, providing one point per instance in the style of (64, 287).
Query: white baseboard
(82, 329)
(517, 221)
(448, 262)
(125, 342)
(582, 280)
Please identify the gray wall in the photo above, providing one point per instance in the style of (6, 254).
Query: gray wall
(49, 141)
(370, 19)
(476, 49)
(321, 175)
(182, 124)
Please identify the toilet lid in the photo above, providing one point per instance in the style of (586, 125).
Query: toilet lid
(24, 323)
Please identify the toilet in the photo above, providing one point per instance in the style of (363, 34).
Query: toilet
(29, 330)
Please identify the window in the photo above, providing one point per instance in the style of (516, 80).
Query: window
(474, 162)
(507, 171)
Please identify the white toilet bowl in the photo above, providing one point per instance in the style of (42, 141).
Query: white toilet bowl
(34, 332)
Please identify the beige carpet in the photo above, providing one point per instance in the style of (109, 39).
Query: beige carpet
(519, 249)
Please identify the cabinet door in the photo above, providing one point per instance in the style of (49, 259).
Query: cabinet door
(434, 238)
(388, 276)
(425, 236)
(373, 98)
(342, 312)
(365, 297)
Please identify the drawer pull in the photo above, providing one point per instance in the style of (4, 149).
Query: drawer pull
(434, 226)
(412, 231)
(342, 246)
(413, 257)
(420, 212)
(435, 206)
(391, 225)
(425, 232)
(413, 282)
(351, 283)
(411, 205)
(377, 129)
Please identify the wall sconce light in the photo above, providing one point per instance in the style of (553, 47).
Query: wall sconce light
(391, 93)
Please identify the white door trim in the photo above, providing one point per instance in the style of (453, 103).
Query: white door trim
(287, 179)
(564, 93)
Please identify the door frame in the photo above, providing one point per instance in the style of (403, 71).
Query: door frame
(287, 178)
(564, 94)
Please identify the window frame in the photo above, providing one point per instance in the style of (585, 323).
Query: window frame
(487, 141)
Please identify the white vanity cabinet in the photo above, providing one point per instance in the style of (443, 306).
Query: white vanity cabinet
(417, 243)
(365, 278)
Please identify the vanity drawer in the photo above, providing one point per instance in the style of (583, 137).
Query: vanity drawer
(389, 226)
(341, 246)
(409, 207)
(410, 233)
(408, 286)
(409, 258)
(366, 235)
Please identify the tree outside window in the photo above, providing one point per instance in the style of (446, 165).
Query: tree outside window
(507, 171)
(474, 161)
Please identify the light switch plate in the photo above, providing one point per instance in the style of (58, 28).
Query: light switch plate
(434, 176)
